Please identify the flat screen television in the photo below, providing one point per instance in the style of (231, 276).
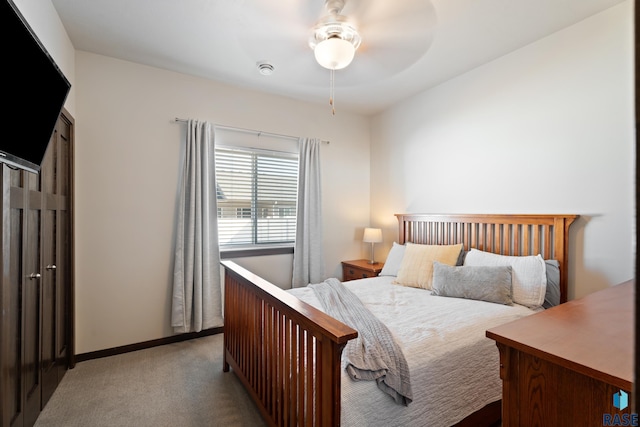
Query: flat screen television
(34, 94)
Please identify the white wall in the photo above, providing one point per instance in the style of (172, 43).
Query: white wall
(127, 166)
(564, 103)
(548, 128)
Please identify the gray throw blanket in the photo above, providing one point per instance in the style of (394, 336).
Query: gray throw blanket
(374, 354)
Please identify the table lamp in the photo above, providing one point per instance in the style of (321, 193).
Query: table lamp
(373, 236)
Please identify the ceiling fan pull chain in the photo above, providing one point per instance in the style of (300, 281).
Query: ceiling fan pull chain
(331, 91)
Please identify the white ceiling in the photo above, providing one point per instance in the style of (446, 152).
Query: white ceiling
(407, 47)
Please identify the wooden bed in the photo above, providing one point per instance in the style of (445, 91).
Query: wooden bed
(288, 354)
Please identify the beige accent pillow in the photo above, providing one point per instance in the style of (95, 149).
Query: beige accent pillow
(416, 269)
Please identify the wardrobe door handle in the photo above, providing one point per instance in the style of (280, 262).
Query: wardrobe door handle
(51, 267)
(34, 276)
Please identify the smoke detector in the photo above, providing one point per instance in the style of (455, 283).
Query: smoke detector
(265, 68)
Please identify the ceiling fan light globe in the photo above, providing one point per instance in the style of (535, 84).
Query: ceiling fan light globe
(334, 53)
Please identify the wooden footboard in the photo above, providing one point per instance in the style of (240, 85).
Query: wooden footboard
(285, 352)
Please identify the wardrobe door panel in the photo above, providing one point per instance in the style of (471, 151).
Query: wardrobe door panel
(52, 202)
(49, 297)
(63, 250)
(12, 384)
(32, 279)
(63, 292)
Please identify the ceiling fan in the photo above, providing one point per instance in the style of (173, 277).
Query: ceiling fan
(334, 40)
(368, 40)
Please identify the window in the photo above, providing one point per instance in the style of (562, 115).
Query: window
(256, 195)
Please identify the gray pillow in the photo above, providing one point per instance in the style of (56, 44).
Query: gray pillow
(552, 294)
(463, 254)
(484, 283)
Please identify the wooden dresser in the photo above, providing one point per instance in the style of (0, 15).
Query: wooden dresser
(562, 367)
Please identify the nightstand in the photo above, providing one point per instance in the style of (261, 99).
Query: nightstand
(360, 269)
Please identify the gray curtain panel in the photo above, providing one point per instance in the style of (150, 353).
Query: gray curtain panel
(197, 295)
(308, 260)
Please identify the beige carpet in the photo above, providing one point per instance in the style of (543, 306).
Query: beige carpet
(173, 385)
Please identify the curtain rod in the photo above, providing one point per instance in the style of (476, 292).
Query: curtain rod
(257, 132)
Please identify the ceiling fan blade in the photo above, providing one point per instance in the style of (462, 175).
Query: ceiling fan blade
(386, 19)
(394, 35)
(275, 31)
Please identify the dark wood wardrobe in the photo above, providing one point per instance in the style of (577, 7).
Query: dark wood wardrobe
(36, 282)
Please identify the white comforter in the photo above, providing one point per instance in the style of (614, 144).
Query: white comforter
(454, 367)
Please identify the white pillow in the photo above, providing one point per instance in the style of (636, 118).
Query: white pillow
(529, 274)
(394, 259)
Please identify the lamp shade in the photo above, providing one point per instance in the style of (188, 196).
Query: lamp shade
(372, 235)
(334, 53)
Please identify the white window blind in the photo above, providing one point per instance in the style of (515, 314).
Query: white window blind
(256, 195)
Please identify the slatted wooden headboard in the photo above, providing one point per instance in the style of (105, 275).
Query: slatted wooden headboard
(547, 235)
